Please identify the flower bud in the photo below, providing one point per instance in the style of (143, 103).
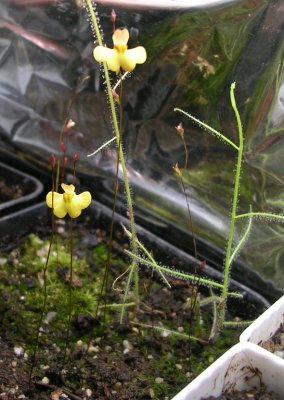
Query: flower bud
(180, 130)
(76, 156)
(113, 16)
(63, 147)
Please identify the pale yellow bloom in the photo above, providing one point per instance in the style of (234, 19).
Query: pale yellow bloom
(120, 56)
(68, 202)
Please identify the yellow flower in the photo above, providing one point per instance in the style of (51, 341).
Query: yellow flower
(120, 56)
(68, 202)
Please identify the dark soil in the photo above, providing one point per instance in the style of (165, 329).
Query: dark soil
(105, 359)
(275, 344)
(9, 192)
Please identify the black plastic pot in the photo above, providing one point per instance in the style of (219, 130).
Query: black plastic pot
(15, 227)
(17, 189)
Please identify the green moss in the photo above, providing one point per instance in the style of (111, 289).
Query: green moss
(22, 298)
(23, 287)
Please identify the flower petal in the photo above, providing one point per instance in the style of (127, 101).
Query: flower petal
(49, 201)
(69, 189)
(130, 58)
(78, 203)
(59, 207)
(120, 37)
(138, 54)
(110, 56)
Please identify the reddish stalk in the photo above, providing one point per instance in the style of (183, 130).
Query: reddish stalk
(34, 355)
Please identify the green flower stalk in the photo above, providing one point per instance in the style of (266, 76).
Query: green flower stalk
(114, 59)
(229, 251)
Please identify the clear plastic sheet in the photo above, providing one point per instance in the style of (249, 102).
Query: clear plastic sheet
(48, 74)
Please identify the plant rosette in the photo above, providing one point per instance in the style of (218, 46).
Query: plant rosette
(265, 327)
(243, 368)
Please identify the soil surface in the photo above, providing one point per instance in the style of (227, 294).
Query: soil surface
(276, 343)
(146, 356)
(255, 394)
(9, 192)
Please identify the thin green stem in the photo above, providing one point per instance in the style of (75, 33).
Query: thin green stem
(234, 210)
(101, 147)
(235, 324)
(181, 275)
(148, 254)
(120, 151)
(117, 305)
(260, 215)
(242, 241)
(168, 331)
(127, 287)
(207, 127)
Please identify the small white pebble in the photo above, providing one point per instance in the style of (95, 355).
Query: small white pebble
(93, 349)
(150, 357)
(159, 380)
(89, 393)
(180, 329)
(81, 345)
(45, 380)
(178, 366)
(127, 345)
(44, 367)
(3, 260)
(49, 317)
(165, 334)
(19, 351)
